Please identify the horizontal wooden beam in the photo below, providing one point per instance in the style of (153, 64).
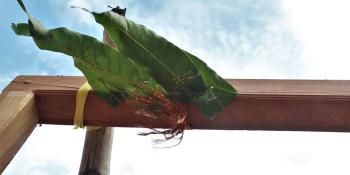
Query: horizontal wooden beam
(286, 105)
(18, 118)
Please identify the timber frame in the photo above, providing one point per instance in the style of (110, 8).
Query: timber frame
(281, 105)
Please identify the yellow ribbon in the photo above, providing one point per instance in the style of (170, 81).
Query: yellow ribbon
(79, 107)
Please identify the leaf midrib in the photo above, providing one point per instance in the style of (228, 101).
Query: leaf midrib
(160, 62)
(168, 69)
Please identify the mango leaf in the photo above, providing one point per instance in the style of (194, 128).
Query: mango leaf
(113, 76)
(184, 76)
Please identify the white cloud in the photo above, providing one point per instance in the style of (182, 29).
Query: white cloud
(234, 152)
(249, 39)
(240, 40)
(49, 150)
(80, 17)
(323, 28)
(57, 150)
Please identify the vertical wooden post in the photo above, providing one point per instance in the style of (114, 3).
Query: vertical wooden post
(18, 118)
(97, 152)
(98, 146)
(98, 143)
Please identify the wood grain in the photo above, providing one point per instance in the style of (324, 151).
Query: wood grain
(18, 118)
(286, 105)
(97, 152)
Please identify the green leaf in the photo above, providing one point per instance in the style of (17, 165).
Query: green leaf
(142, 63)
(21, 29)
(184, 76)
(113, 76)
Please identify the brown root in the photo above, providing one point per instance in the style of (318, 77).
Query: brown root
(158, 107)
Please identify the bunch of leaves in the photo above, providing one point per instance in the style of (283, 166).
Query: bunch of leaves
(141, 66)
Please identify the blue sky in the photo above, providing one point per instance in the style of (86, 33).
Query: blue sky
(229, 34)
(237, 38)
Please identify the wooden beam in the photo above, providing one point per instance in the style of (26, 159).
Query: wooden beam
(287, 105)
(18, 118)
